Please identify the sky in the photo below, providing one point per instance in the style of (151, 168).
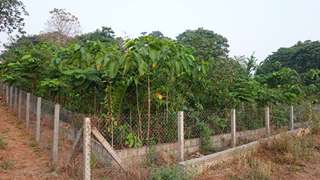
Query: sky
(251, 26)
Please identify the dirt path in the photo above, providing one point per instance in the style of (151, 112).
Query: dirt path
(20, 156)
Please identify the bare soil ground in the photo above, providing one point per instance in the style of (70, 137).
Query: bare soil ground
(20, 156)
(273, 163)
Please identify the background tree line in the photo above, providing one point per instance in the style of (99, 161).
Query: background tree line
(153, 76)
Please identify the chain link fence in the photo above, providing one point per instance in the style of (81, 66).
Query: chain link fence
(129, 130)
(28, 108)
(132, 130)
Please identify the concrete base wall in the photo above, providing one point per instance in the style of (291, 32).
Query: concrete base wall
(135, 156)
(138, 155)
(199, 165)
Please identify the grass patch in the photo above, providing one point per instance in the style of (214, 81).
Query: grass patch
(256, 170)
(7, 164)
(35, 146)
(170, 173)
(289, 149)
(3, 144)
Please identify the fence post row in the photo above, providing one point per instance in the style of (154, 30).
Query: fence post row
(28, 110)
(233, 128)
(38, 119)
(55, 157)
(180, 136)
(267, 119)
(86, 148)
(291, 123)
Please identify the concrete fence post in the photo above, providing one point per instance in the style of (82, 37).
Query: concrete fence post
(19, 104)
(180, 136)
(291, 123)
(233, 128)
(15, 100)
(38, 122)
(86, 148)
(7, 94)
(28, 110)
(11, 98)
(56, 126)
(267, 119)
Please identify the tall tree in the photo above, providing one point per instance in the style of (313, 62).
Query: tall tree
(12, 14)
(301, 57)
(205, 43)
(105, 34)
(63, 22)
(157, 34)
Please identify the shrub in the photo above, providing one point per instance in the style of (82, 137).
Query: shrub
(205, 137)
(169, 173)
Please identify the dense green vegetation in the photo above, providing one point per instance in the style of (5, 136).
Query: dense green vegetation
(136, 84)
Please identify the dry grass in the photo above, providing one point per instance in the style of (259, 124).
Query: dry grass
(288, 149)
(288, 157)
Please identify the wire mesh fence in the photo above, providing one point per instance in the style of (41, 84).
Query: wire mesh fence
(250, 117)
(129, 130)
(43, 111)
(214, 122)
(279, 116)
(135, 130)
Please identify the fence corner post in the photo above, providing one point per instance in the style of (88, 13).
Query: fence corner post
(180, 136)
(86, 148)
(233, 128)
(38, 123)
(28, 110)
(291, 122)
(55, 143)
(267, 119)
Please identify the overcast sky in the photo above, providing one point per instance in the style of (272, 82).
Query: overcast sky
(260, 26)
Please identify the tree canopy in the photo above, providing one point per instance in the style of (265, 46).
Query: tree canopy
(206, 44)
(301, 57)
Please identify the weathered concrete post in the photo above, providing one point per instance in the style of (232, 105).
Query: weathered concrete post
(15, 100)
(7, 94)
(180, 136)
(233, 128)
(267, 119)
(38, 122)
(86, 149)
(28, 110)
(11, 98)
(291, 123)
(19, 104)
(56, 126)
